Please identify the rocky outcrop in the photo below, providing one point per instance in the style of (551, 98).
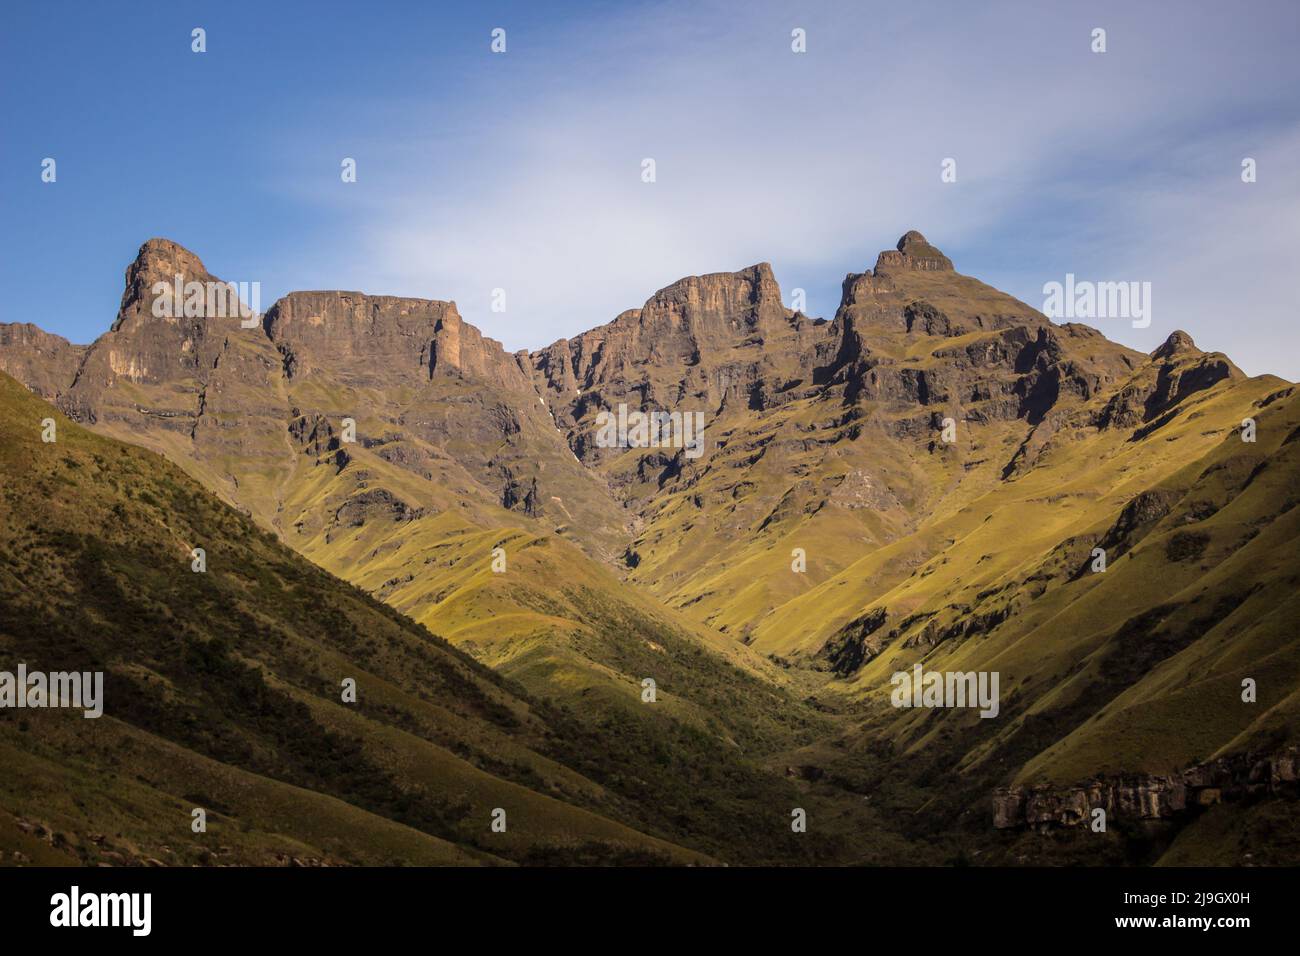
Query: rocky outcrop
(374, 505)
(1176, 380)
(680, 326)
(45, 363)
(1135, 521)
(852, 646)
(369, 341)
(923, 318)
(1174, 371)
(316, 434)
(1150, 796)
(521, 494)
(914, 252)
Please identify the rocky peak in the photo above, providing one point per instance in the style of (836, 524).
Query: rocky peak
(914, 252)
(690, 324)
(718, 303)
(1176, 370)
(159, 336)
(1178, 345)
(875, 298)
(160, 257)
(159, 260)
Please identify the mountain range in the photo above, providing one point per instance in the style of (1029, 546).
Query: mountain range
(649, 654)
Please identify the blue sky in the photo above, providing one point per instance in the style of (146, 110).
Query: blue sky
(522, 171)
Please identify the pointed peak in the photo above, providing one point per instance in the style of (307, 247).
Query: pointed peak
(1178, 344)
(161, 260)
(158, 261)
(161, 244)
(159, 253)
(914, 252)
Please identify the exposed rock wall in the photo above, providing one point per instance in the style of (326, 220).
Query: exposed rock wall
(1150, 796)
(45, 363)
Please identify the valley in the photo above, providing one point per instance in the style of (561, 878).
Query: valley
(945, 460)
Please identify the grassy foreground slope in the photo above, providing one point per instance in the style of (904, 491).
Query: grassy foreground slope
(703, 759)
(223, 691)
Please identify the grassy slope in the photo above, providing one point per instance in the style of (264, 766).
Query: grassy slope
(223, 693)
(1138, 669)
(567, 629)
(240, 667)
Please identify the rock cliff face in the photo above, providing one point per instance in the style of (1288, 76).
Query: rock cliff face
(381, 341)
(713, 341)
(358, 340)
(156, 344)
(1150, 796)
(149, 349)
(46, 363)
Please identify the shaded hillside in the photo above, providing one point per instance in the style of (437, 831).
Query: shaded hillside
(223, 691)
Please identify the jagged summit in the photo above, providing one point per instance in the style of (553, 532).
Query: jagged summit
(161, 246)
(674, 346)
(714, 293)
